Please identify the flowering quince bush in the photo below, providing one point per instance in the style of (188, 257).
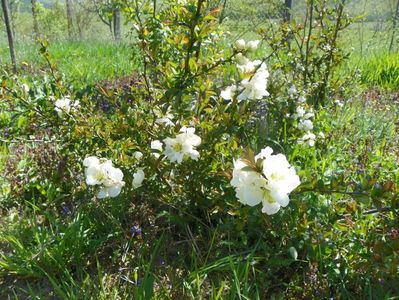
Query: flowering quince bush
(169, 168)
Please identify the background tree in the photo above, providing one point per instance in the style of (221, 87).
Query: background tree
(13, 9)
(116, 21)
(69, 14)
(7, 21)
(110, 14)
(287, 10)
(394, 23)
(36, 31)
(83, 16)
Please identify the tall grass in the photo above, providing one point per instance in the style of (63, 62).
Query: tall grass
(381, 69)
(82, 62)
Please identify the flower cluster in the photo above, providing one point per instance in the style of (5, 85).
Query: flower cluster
(100, 171)
(268, 182)
(250, 46)
(305, 124)
(254, 74)
(65, 106)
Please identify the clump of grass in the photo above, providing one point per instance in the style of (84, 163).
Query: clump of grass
(381, 69)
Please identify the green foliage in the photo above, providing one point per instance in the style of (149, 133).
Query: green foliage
(381, 69)
(52, 20)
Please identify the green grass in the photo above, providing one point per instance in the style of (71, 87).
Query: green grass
(381, 69)
(82, 62)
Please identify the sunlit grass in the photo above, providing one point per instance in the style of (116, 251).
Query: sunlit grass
(82, 62)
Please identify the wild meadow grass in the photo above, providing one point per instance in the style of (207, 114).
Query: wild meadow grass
(82, 62)
(380, 69)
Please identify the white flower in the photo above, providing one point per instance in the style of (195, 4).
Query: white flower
(95, 171)
(308, 139)
(156, 145)
(182, 146)
(165, 119)
(303, 114)
(253, 45)
(228, 92)
(270, 187)
(247, 66)
(264, 153)
(300, 112)
(110, 191)
(308, 115)
(241, 59)
(114, 176)
(138, 178)
(248, 184)
(321, 135)
(25, 87)
(255, 88)
(305, 125)
(137, 155)
(101, 172)
(292, 90)
(338, 103)
(301, 99)
(91, 160)
(240, 44)
(65, 105)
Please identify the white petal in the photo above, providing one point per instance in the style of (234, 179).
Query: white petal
(240, 44)
(138, 178)
(280, 197)
(116, 174)
(264, 153)
(251, 196)
(102, 193)
(156, 145)
(137, 155)
(270, 208)
(114, 190)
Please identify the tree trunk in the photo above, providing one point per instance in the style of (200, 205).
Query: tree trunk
(13, 8)
(287, 11)
(395, 20)
(69, 18)
(36, 32)
(116, 19)
(10, 36)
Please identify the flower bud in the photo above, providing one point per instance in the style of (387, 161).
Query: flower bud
(240, 44)
(253, 45)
